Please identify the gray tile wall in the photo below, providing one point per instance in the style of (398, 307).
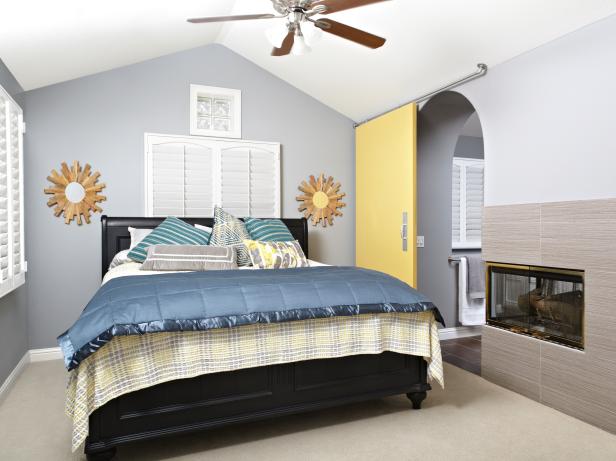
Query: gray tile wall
(576, 235)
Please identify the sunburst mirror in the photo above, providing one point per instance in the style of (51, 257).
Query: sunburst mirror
(75, 192)
(321, 200)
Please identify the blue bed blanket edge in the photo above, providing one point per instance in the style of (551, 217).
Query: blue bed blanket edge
(193, 301)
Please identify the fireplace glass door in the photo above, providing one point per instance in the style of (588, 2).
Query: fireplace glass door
(542, 302)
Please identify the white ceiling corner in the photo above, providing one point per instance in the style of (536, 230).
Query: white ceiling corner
(429, 42)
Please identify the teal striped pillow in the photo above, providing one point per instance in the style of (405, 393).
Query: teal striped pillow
(268, 230)
(172, 231)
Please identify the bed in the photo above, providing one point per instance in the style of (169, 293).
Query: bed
(214, 399)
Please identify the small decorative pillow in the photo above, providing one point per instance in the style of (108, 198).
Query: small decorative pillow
(230, 231)
(207, 229)
(172, 231)
(137, 235)
(276, 255)
(189, 258)
(119, 259)
(268, 230)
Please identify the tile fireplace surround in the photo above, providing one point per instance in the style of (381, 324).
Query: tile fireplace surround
(573, 235)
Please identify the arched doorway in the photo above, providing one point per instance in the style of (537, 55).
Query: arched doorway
(448, 127)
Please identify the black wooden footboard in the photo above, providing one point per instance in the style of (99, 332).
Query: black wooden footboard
(218, 399)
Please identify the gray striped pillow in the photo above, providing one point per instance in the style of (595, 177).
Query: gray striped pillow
(189, 258)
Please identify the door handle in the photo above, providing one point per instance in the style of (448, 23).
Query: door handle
(404, 231)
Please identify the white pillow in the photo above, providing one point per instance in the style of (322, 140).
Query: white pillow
(205, 228)
(137, 235)
(119, 259)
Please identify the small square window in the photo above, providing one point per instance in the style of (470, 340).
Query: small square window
(215, 111)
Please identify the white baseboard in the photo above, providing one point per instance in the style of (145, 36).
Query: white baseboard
(10, 380)
(33, 355)
(459, 332)
(41, 355)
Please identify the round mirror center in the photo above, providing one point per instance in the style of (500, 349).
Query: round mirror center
(74, 192)
(320, 199)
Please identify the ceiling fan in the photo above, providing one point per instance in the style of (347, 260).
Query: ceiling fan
(290, 38)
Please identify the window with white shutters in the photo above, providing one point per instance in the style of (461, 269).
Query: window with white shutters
(188, 176)
(466, 203)
(12, 260)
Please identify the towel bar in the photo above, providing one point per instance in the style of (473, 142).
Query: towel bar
(453, 259)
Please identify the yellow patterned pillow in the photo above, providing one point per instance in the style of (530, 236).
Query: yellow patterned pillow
(276, 255)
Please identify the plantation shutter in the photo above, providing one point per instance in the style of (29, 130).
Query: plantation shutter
(235, 181)
(199, 167)
(474, 203)
(12, 261)
(181, 180)
(168, 180)
(189, 175)
(248, 185)
(4, 200)
(263, 191)
(467, 202)
(455, 203)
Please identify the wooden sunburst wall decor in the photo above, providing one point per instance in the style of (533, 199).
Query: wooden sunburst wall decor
(321, 200)
(75, 192)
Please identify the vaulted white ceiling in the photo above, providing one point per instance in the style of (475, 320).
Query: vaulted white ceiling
(429, 42)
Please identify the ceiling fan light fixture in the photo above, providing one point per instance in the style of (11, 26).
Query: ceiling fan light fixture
(300, 47)
(312, 34)
(276, 34)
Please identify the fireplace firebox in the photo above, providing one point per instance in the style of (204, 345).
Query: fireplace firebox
(542, 302)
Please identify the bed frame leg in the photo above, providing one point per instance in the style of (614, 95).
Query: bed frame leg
(416, 398)
(106, 455)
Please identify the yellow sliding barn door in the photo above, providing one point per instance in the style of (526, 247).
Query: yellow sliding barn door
(386, 224)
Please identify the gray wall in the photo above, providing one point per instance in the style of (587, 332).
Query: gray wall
(13, 308)
(552, 108)
(440, 123)
(101, 119)
(469, 147)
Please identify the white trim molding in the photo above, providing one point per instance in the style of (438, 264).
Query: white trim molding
(31, 356)
(11, 378)
(42, 355)
(459, 332)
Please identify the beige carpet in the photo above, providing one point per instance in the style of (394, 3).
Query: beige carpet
(470, 420)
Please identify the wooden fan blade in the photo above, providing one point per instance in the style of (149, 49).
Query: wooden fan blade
(350, 33)
(286, 46)
(333, 6)
(242, 17)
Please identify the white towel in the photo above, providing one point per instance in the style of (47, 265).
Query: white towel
(470, 311)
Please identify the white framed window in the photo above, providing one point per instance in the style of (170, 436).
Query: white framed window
(466, 203)
(215, 111)
(12, 257)
(189, 175)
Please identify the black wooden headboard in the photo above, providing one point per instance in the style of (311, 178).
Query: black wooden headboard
(115, 235)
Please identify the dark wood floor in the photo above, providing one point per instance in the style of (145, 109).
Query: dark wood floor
(463, 352)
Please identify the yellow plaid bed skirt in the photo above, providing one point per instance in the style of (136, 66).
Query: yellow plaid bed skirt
(130, 363)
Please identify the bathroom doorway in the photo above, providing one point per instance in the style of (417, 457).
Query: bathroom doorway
(450, 181)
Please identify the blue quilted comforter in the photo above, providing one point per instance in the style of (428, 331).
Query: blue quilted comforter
(223, 299)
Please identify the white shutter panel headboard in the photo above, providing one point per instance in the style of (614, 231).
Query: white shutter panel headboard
(189, 175)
